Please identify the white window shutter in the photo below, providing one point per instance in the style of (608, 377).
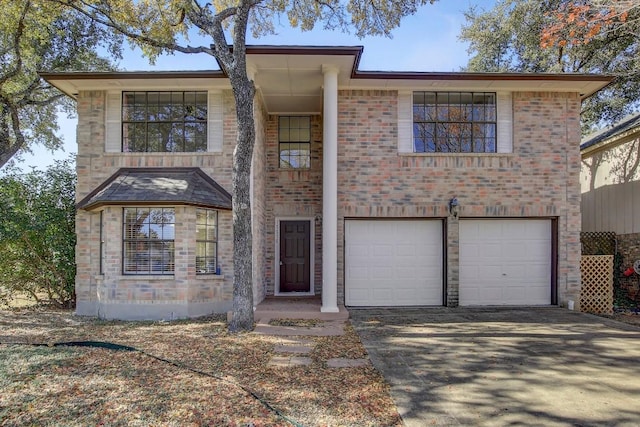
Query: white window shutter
(405, 122)
(505, 122)
(214, 126)
(113, 123)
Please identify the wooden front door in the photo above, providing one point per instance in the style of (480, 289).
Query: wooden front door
(295, 259)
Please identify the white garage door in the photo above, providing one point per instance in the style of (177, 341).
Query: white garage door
(393, 263)
(505, 262)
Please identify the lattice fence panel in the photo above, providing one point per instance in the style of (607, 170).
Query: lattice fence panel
(598, 242)
(597, 284)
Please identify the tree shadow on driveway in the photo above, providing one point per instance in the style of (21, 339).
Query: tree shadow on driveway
(505, 366)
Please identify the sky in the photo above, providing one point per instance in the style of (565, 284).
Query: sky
(426, 41)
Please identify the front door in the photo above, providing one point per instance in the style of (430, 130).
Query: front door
(295, 268)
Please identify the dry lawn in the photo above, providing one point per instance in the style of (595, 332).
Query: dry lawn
(630, 317)
(188, 373)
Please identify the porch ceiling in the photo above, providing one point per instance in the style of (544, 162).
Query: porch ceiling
(292, 83)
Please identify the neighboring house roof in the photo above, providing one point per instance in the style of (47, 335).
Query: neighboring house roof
(290, 79)
(156, 186)
(623, 131)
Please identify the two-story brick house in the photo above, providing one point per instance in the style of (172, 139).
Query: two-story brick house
(369, 188)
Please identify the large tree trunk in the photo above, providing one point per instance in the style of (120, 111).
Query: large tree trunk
(9, 145)
(244, 92)
(235, 63)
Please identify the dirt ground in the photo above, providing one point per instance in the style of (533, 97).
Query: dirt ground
(630, 317)
(180, 373)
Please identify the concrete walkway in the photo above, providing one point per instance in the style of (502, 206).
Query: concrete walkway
(295, 342)
(501, 366)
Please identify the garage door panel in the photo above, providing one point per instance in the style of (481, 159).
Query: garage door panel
(405, 273)
(381, 294)
(513, 250)
(533, 249)
(381, 250)
(515, 293)
(476, 249)
(511, 229)
(358, 273)
(488, 272)
(470, 251)
(505, 262)
(490, 250)
(537, 270)
(491, 293)
(359, 295)
(467, 274)
(401, 262)
(405, 250)
(538, 250)
(404, 296)
(357, 258)
(381, 273)
(539, 295)
(404, 266)
(359, 250)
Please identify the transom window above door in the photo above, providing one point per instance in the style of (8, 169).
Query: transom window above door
(164, 121)
(454, 122)
(294, 136)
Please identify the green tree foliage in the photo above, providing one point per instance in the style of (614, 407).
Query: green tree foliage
(38, 35)
(515, 36)
(37, 234)
(163, 26)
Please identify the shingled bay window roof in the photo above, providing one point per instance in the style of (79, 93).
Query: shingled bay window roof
(158, 186)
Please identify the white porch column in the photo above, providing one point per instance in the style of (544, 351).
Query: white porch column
(330, 191)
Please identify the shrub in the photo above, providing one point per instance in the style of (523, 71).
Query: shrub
(37, 234)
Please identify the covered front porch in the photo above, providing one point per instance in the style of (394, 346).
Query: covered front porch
(300, 202)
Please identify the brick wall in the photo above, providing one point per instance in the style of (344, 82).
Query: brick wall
(258, 205)
(539, 179)
(184, 294)
(292, 194)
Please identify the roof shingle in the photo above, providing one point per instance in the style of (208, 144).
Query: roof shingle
(154, 186)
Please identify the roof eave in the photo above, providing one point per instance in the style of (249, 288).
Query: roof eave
(611, 142)
(595, 82)
(66, 82)
(91, 207)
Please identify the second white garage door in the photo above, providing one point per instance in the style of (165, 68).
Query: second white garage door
(393, 262)
(505, 262)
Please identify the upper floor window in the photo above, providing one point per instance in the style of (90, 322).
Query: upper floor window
(148, 239)
(164, 121)
(294, 136)
(454, 122)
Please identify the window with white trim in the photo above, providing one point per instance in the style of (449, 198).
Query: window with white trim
(206, 241)
(294, 136)
(164, 121)
(148, 240)
(455, 122)
(102, 246)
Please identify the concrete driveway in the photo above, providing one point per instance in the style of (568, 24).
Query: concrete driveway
(505, 366)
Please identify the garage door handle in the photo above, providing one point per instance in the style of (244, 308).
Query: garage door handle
(504, 274)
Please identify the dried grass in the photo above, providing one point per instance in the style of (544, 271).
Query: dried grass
(209, 383)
